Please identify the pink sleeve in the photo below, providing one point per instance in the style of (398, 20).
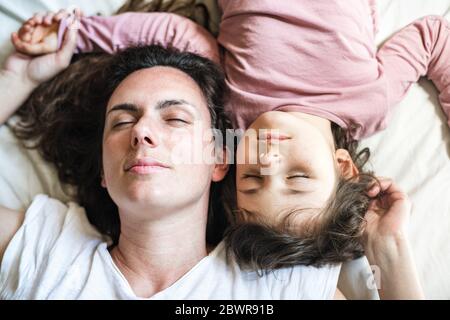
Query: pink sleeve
(111, 34)
(420, 49)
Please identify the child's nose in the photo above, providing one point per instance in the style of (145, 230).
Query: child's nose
(269, 158)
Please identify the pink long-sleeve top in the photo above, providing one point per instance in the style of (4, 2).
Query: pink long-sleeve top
(317, 57)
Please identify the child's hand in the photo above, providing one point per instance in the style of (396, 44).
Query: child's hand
(388, 215)
(35, 70)
(39, 34)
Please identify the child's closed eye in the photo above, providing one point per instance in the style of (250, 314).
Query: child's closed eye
(298, 176)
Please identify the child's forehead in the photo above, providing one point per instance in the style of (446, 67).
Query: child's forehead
(282, 217)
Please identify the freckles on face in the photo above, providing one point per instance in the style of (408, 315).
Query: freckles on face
(155, 113)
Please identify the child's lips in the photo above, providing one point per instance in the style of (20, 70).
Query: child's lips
(273, 137)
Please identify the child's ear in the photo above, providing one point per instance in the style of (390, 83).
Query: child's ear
(345, 164)
(221, 166)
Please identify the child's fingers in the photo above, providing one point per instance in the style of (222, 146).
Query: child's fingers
(14, 38)
(373, 191)
(17, 42)
(28, 48)
(31, 49)
(30, 22)
(69, 42)
(27, 28)
(78, 13)
(374, 188)
(38, 18)
(388, 186)
(48, 18)
(61, 14)
(392, 193)
(68, 47)
(35, 20)
(25, 33)
(381, 184)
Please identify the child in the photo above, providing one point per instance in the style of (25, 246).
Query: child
(273, 56)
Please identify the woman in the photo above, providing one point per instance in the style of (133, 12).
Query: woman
(111, 125)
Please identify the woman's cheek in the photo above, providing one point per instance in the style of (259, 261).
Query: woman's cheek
(180, 149)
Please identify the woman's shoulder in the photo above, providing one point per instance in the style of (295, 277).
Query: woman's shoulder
(49, 223)
(55, 214)
(53, 235)
(52, 232)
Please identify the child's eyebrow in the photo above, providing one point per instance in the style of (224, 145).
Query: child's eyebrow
(250, 212)
(287, 191)
(249, 191)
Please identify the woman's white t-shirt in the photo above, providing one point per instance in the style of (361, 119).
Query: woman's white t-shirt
(58, 254)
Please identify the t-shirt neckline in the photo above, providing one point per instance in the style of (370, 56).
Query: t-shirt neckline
(125, 285)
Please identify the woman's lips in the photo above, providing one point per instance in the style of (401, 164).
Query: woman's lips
(145, 166)
(146, 169)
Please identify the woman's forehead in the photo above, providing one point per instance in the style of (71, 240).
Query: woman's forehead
(155, 84)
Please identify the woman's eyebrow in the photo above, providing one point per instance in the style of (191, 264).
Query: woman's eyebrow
(175, 102)
(130, 107)
(161, 105)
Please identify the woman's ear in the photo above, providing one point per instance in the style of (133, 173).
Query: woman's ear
(103, 182)
(221, 165)
(345, 164)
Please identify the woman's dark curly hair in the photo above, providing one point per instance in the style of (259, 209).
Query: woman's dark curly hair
(64, 119)
(336, 238)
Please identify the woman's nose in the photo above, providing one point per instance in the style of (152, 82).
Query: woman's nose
(144, 135)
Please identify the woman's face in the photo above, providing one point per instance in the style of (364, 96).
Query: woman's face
(157, 123)
(285, 161)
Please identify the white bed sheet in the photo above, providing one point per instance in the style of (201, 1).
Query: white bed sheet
(414, 150)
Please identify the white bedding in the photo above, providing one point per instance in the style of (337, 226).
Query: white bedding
(414, 150)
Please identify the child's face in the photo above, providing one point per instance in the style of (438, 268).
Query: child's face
(294, 168)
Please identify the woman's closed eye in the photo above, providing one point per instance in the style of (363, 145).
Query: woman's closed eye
(177, 117)
(178, 121)
(120, 124)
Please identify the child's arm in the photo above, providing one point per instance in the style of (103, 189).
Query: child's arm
(118, 32)
(420, 49)
(111, 34)
(386, 244)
